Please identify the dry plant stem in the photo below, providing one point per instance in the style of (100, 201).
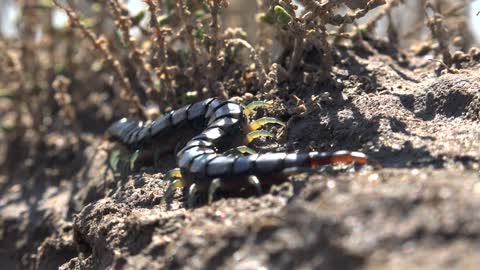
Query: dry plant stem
(124, 23)
(276, 75)
(100, 44)
(451, 12)
(340, 34)
(392, 32)
(29, 65)
(214, 28)
(372, 23)
(440, 33)
(323, 36)
(362, 12)
(253, 55)
(184, 15)
(297, 29)
(298, 47)
(17, 72)
(160, 57)
(216, 42)
(17, 138)
(51, 44)
(158, 33)
(324, 10)
(64, 100)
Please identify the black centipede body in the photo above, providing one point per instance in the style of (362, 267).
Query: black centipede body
(219, 125)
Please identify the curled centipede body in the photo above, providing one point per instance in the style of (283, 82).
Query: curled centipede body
(220, 126)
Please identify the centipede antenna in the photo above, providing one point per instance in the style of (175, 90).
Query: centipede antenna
(214, 187)
(264, 121)
(248, 109)
(258, 134)
(253, 180)
(242, 150)
(192, 195)
(172, 186)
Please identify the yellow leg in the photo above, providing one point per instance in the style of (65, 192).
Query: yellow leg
(173, 174)
(264, 121)
(133, 158)
(242, 150)
(258, 134)
(214, 186)
(192, 195)
(248, 109)
(253, 180)
(174, 178)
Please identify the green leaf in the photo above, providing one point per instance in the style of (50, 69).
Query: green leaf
(207, 42)
(96, 7)
(265, 18)
(199, 34)
(205, 8)
(6, 95)
(114, 159)
(282, 15)
(43, 5)
(138, 18)
(163, 20)
(88, 22)
(170, 5)
(199, 14)
(190, 97)
(6, 129)
(134, 158)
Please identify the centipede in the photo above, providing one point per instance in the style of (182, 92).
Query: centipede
(216, 156)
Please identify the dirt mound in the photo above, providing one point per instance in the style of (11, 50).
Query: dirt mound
(449, 96)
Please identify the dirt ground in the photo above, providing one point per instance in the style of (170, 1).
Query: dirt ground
(419, 211)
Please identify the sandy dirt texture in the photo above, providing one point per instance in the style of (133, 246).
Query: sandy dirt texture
(419, 212)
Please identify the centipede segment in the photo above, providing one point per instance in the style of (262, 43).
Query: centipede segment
(216, 158)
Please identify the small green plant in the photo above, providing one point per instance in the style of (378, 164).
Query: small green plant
(121, 162)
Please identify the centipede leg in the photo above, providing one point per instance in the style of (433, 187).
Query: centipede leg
(168, 195)
(254, 125)
(248, 109)
(253, 180)
(241, 150)
(173, 174)
(214, 187)
(258, 134)
(192, 195)
(156, 157)
(175, 181)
